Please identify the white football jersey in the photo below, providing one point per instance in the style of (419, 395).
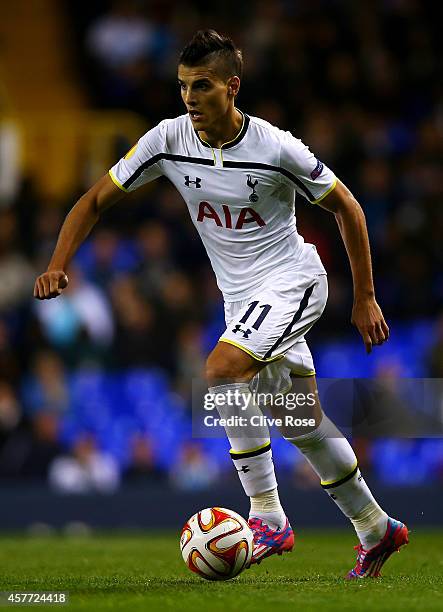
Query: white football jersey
(240, 197)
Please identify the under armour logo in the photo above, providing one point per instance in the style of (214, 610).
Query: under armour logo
(197, 182)
(245, 332)
(244, 468)
(253, 196)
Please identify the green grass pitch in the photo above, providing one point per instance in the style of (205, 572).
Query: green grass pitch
(145, 571)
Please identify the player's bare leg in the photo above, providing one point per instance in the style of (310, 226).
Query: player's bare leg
(230, 364)
(333, 459)
(229, 371)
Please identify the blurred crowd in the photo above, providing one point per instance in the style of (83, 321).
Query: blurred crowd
(359, 82)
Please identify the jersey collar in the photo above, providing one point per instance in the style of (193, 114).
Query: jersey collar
(234, 141)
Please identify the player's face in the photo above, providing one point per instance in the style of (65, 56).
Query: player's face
(207, 96)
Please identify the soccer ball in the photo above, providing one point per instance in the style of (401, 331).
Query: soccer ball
(216, 543)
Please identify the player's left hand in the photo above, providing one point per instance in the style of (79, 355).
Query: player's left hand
(368, 319)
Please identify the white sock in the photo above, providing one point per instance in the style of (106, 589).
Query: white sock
(267, 507)
(370, 524)
(250, 447)
(255, 469)
(333, 459)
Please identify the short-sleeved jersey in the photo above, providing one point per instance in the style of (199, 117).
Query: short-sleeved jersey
(240, 197)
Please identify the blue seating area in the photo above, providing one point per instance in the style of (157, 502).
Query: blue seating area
(114, 406)
(406, 351)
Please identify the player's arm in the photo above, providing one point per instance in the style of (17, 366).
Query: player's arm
(366, 313)
(76, 227)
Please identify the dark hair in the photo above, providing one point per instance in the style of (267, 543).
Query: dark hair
(207, 46)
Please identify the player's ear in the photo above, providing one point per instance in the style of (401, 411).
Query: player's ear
(233, 85)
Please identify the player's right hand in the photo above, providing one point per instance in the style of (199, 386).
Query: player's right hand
(50, 284)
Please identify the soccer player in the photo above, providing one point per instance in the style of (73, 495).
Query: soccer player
(238, 176)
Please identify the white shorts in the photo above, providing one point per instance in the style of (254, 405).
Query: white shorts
(271, 325)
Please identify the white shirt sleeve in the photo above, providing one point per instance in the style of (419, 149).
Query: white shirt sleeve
(310, 177)
(142, 163)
